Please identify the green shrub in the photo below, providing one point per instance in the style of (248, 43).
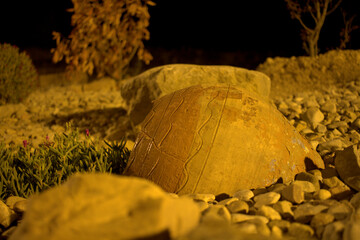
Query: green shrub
(107, 35)
(25, 170)
(18, 76)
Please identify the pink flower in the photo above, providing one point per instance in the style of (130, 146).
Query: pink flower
(25, 143)
(87, 132)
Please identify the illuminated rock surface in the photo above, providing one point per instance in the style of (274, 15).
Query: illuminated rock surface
(141, 90)
(103, 206)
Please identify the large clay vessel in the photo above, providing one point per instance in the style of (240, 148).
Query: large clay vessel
(218, 139)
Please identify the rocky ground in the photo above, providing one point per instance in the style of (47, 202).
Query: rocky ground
(320, 97)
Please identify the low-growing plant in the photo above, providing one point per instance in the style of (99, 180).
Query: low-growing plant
(25, 170)
(18, 76)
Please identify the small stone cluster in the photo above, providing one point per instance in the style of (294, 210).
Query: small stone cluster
(330, 121)
(317, 205)
(97, 106)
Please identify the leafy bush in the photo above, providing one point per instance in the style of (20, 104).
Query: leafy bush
(25, 170)
(106, 36)
(18, 76)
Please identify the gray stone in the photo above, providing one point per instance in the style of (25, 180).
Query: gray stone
(99, 206)
(141, 90)
(347, 163)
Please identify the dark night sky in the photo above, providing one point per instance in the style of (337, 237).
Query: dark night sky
(262, 26)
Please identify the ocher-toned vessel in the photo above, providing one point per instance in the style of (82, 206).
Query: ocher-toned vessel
(218, 139)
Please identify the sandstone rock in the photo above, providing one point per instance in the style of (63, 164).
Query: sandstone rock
(341, 210)
(268, 212)
(306, 211)
(276, 232)
(206, 197)
(141, 90)
(355, 200)
(244, 195)
(304, 176)
(284, 208)
(266, 199)
(332, 145)
(300, 231)
(238, 207)
(20, 206)
(215, 213)
(321, 220)
(293, 193)
(218, 119)
(306, 186)
(347, 163)
(12, 200)
(329, 107)
(213, 230)
(284, 225)
(334, 231)
(228, 201)
(239, 217)
(104, 206)
(313, 116)
(356, 124)
(7, 216)
(277, 187)
(322, 194)
(352, 227)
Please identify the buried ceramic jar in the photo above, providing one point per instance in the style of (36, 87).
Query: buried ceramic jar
(216, 139)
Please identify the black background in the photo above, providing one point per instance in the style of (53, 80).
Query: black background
(263, 27)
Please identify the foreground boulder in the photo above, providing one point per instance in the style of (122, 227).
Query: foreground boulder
(141, 90)
(104, 206)
(218, 139)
